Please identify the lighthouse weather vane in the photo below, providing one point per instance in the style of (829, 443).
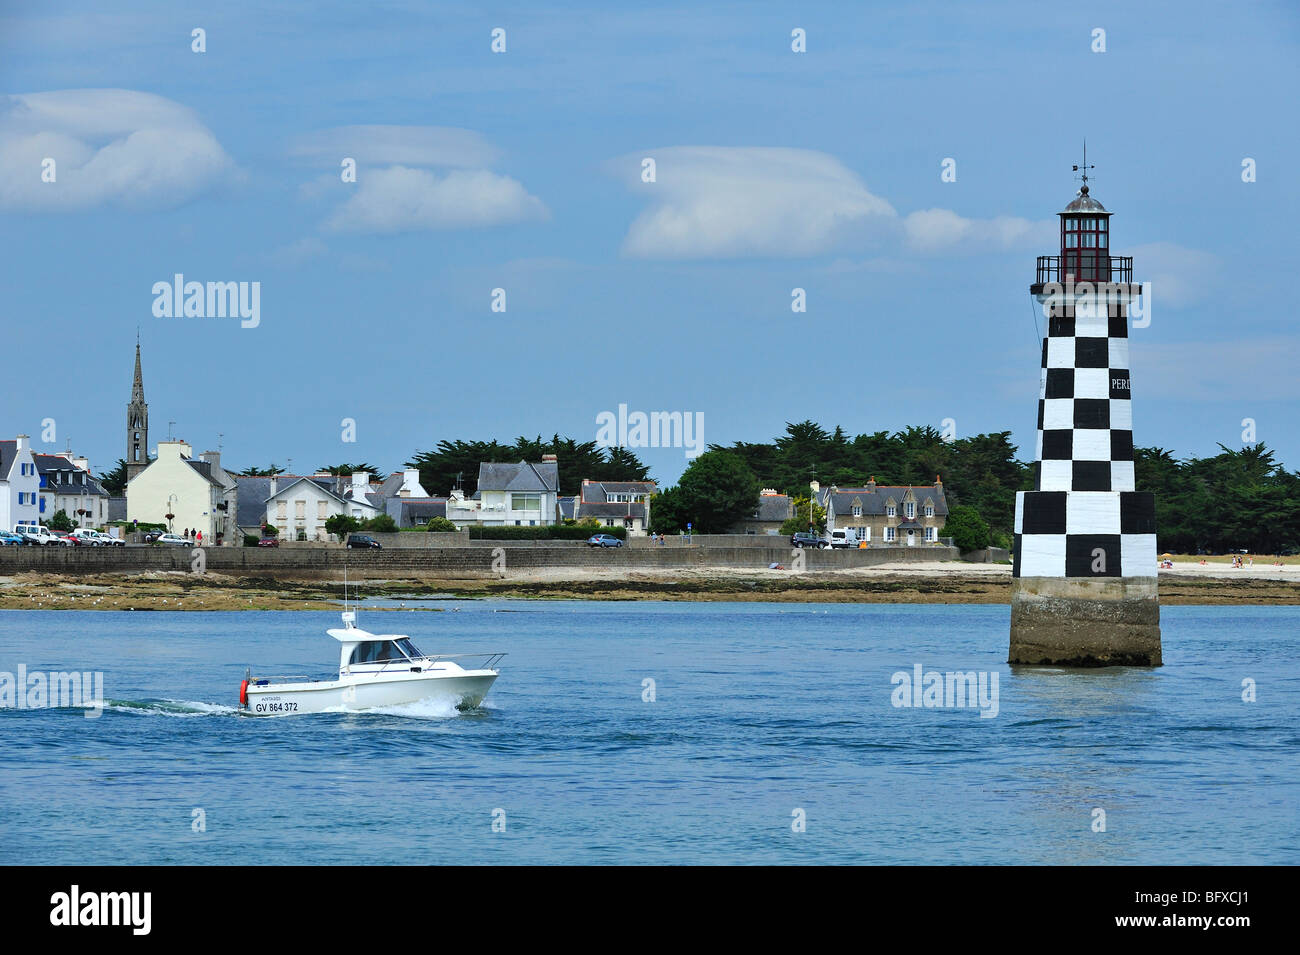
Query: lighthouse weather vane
(1085, 167)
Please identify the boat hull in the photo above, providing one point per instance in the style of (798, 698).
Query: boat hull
(463, 690)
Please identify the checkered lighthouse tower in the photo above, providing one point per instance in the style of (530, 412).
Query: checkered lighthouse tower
(1084, 575)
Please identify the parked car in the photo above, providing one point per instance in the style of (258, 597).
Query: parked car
(36, 533)
(7, 538)
(174, 540)
(69, 539)
(109, 540)
(604, 540)
(364, 540)
(269, 542)
(151, 536)
(87, 537)
(809, 540)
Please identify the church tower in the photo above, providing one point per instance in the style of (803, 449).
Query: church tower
(137, 423)
(1083, 589)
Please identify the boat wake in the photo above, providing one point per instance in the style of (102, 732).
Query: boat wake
(185, 708)
(430, 708)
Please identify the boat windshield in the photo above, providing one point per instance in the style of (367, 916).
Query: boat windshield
(384, 651)
(409, 648)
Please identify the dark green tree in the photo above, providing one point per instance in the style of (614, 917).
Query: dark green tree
(966, 528)
(717, 490)
(114, 481)
(381, 524)
(343, 470)
(341, 525)
(60, 521)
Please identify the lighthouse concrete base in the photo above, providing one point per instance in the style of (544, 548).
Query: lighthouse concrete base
(1085, 622)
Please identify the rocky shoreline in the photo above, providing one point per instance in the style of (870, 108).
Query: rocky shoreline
(945, 583)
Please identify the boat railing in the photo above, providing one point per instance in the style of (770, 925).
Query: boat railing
(490, 660)
(291, 678)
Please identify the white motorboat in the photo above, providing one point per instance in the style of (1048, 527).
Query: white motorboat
(374, 670)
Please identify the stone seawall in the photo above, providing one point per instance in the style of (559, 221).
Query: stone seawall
(468, 562)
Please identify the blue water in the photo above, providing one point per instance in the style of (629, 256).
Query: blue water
(760, 710)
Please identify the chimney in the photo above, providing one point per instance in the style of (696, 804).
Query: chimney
(22, 443)
(411, 486)
(82, 463)
(213, 458)
(871, 485)
(275, 486)
(937, 482)
(549, 458)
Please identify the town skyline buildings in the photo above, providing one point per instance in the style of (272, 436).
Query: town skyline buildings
(674, 293)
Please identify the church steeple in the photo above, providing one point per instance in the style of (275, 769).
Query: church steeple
(137, 386)
(137, 422)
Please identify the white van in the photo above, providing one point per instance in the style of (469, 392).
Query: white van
(37, 533)
(844, 537)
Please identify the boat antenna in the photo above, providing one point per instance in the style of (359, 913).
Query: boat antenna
(345, 585)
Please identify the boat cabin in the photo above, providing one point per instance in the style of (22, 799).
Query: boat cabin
(359, 648)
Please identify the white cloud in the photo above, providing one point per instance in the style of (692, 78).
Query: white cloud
(942, 230)
(1178, 275)
(399, 199)
(109, 146)
(731, 202)
(392, 194)
(396, 145)
(726, 202)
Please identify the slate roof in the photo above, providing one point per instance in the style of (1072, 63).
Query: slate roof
(405, 510)
(543, 476)
(391, 485)
(567, 505)
(288, 481)
(204, 468)
(250, 499)
(613, 509)
(597, 492)
(49, 464)
(873, 503)
(7, 451)
(774, 507)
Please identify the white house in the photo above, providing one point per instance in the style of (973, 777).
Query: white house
(522, 494)
(191, 491)
(19, 483)
(617, 504)
(299, 507)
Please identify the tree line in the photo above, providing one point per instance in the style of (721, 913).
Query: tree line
(1234, 500)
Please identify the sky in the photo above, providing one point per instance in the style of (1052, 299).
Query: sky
(524, 171)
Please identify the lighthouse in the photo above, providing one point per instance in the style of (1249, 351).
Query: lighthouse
(1083, 588)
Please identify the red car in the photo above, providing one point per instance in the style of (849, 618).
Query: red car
(269, 542)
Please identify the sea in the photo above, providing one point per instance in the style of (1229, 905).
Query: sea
(658, 732)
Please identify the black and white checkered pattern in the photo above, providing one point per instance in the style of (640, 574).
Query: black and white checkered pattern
(1084, 518)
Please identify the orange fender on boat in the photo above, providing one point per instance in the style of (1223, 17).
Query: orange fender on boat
(243, 693)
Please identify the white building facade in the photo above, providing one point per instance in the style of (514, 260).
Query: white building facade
(19, 483)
